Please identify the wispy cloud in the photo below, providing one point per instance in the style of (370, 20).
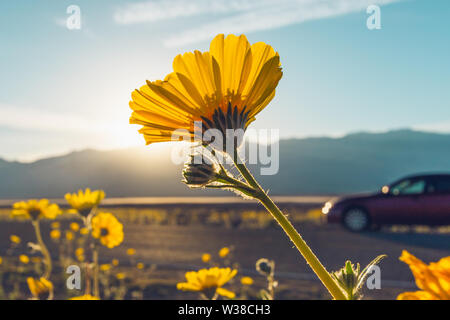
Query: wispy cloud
(235, 16)
(34, 119)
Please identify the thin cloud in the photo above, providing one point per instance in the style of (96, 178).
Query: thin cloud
(235, 16)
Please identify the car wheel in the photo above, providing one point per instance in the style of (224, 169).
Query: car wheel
(356, 219)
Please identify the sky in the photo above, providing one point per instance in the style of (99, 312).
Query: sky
(64, 90)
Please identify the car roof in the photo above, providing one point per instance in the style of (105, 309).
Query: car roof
(422, 176)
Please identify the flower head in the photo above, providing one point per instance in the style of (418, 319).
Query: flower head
(74, 226)
(85, 297)
(107, 229)
(206, 257)
(35, 209)
(222, 89)
(55, 234)
(199, 174)
(140, 265)
(225, 251)
(15, 239)
(247, 281)
(41, 289)
(85, 201)
(209, 281)
(131, 251)
(24, 259)
(432, 279)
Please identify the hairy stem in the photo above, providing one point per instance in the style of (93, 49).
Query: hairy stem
(44, 250)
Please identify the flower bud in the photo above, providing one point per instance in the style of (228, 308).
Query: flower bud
(265, 267)
(199, 174)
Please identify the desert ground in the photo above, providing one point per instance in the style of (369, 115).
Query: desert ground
(170, 240)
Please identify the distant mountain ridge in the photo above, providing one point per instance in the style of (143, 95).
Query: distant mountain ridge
(312, 166)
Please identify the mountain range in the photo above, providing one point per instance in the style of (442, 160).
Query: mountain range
(354, 163)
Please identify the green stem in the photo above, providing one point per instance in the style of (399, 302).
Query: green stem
(295, 237)
(44, 250)
(95, 267)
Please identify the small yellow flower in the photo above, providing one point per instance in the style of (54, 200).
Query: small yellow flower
(15, 239)
(208, 281)
(85, 201)
(24, 259)
(79, 251)
(105, 267)
(55, 234)
(120, 276)
(41, 289)
(115, 262)
(85, 297)
(246, 281)
(55, 225)
(107, 229)
(140, 266)
(432, 279)
(84, 231)
(206, 257)
(131, 252)
(69, 235)
(1, 260)
(35, 209)
(74, 226)
(224, 252)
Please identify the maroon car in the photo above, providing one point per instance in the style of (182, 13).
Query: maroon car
(423, 200)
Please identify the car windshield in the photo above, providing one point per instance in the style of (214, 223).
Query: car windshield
(408, 187)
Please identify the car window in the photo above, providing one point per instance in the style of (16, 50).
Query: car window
(440, 185)
(406, 187)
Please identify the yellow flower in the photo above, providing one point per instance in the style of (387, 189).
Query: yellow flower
(69, 235)
(1, 260)
(55, 225)
(24, 259)
(115, 262)
(85, 297)
(432, 279)
(74, 226)
(84, 231)
(15, 239)
(131, 252)
(105, 267)
(224, 252)
(234, 80)
(246, 281)
(41, 288)
(120, 276)
(208, 281)
(55, 234)
(140, 266)
(83, 202)
(108, 229)
(206, 257)
(35, 209)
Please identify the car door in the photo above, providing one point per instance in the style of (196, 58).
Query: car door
(436, 201)
(403, 204)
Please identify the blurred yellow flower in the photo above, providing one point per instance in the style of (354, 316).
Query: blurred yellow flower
(85, 297)
(246, 281)
(105, 267)
(35, 209)
(84, 231)
(74, 226)
(24, 259)
(209, 281)
(79, 252)
(15, 239)
(55, 225)
(131, 252)
(55, 234)
(41, 289)
(115, 262)
(206, 257)
(120, 276)
(1, 260)
(108, 229)
(432, 279)
(234, 80)
(224, 252)
(85, 201)
(140, 266)
(69, 235)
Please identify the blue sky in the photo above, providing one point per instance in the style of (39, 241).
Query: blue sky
(69, 89)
